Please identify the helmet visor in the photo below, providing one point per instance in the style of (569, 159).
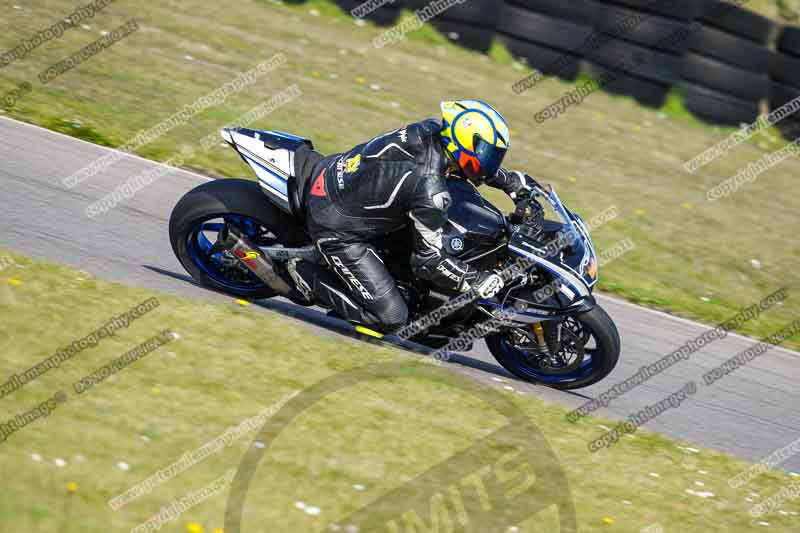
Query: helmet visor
(489, 156)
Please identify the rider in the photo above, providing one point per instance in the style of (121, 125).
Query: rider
(378, 187)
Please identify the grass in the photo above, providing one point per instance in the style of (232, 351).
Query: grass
(76, 129)
(229, 364)
(787, 11)
(693, 258)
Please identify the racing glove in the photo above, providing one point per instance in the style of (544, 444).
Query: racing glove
(514, 183)
(486, 284)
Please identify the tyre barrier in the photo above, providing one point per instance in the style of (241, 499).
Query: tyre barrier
(731, 49)
(643, 28)
(725, 78)
(641, 50)
(780, 95)
(647, 93)
(685, 10)
(786, 69)
(654, 65)
(785, 79)
(466, 35)
(543, 41)
(544, 30)
(385, 15)
(543, 58)
(481, 13)
(724, 68)
(717, 107)
(471, 24)
(727, 65)
(736, 20)
(789, 40)
(577, 11)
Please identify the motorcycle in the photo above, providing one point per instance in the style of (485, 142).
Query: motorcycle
(237, 236)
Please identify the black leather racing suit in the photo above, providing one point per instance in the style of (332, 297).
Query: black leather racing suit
(372, 190)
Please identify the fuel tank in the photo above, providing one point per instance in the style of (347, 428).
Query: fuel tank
(476, 232)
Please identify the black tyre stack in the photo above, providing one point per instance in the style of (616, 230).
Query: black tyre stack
(724, 76)
(385, 15)
(719, 56)
(471, 24)
(546, 33)
(643, 45)
(785, 80)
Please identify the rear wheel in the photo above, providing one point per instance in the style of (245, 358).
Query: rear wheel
(583, 349)
(203, 212)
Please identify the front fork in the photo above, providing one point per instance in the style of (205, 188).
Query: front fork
(538, 333)
(535, 322)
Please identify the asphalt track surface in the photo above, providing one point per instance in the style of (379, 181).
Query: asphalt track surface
(750, 413)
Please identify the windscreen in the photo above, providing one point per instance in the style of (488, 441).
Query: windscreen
(576, 252)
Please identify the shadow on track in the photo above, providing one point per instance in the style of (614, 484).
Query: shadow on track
(314, 316)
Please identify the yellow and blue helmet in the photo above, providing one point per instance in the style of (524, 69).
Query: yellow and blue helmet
(476, 136)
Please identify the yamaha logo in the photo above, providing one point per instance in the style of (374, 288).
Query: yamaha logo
(456, 244)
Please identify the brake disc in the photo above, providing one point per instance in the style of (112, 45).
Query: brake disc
(562, 337)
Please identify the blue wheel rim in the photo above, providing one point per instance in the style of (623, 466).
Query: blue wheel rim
(518, 359)
(199, 247)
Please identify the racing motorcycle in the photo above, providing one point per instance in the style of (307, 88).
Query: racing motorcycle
(238, 236)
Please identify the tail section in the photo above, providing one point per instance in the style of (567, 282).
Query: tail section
(270, 154)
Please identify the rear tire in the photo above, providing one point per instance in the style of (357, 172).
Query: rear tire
(228, 197)
(604, 358)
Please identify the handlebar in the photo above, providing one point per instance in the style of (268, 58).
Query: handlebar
(520, 206)
(528, 213)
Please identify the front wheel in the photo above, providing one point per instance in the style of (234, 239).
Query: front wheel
(581, 350)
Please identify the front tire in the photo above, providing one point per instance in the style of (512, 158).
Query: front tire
(205, 209)
(596, 364)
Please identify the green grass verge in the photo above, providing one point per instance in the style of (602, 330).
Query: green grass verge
(692, 257)
(787, 11)
(229, 364)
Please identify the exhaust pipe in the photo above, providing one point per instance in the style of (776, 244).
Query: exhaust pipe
(249, 255)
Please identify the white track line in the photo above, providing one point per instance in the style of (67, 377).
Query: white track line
(614, 299)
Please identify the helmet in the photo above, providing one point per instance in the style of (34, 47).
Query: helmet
(476, 137)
